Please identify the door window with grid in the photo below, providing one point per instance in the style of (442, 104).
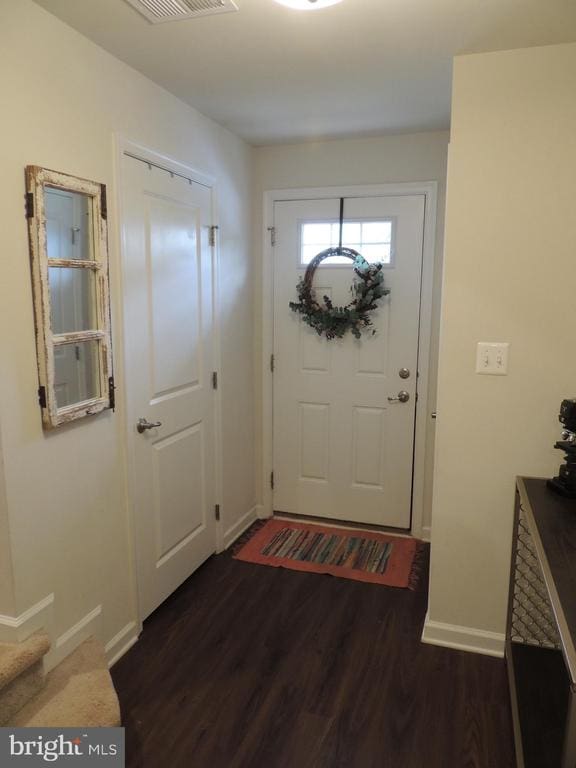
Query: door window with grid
(373, 239)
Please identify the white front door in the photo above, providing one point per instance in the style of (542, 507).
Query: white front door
(169, 340)
(342, 448)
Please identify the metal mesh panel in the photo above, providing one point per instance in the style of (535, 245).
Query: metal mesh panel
(533, 622)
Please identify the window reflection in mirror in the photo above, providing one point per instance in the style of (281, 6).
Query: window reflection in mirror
(68, 225)
(72, 299)
(75, 372)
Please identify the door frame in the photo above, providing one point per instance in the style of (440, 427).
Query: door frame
(171, 165)
(430, 191)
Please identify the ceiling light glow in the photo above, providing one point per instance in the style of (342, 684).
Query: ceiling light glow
(308, 5)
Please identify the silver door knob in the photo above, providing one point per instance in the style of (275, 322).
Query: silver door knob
(143, 424)
(403, 397)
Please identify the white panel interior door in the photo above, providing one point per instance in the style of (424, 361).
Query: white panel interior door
(342, 449)
(169, 341)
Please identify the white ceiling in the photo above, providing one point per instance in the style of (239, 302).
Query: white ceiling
(362, 67)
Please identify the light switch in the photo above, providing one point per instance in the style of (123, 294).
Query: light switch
(492, 358)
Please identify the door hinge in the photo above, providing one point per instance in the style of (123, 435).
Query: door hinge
(29, 205)
(272, 480)
(272, 231)
(111, 393)
(272, 363)
(103, 202)
(217, 512)
(212, 235)
(214, 379)
(42, 396)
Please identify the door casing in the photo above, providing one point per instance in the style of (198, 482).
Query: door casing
(430, 190)
(125, 146)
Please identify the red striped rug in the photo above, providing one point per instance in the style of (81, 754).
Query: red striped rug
(377, 558)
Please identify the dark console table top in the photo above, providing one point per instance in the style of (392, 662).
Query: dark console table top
(554, 519)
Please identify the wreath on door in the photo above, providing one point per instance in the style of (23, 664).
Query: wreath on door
(367, 288)
(332, 321)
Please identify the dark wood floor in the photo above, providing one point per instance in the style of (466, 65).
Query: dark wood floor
(247, 666)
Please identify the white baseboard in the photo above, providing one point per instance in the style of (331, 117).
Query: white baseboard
(426, 533)
(239, 527)
(463, 638)
(121, 642)
(261, 513)
(67, 642)
(15, 629)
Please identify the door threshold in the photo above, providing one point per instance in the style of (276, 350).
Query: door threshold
(344, 524)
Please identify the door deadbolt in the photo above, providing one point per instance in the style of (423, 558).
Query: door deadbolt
(404, 373)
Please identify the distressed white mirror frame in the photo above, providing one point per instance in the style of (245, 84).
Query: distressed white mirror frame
(37, 181)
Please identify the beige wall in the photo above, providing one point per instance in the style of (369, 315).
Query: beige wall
(376, 160)
(63, 99)
(6, 576)
(510, 275)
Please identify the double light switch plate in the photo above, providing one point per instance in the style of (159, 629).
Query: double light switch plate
(492, 358)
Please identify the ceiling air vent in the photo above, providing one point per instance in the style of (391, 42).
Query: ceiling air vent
(158, 11)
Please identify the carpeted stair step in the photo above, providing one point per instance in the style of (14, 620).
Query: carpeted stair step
(78, 693)
(21, 673)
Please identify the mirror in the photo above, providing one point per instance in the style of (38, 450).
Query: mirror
(68, 225)
(76, 373)
(67, 229)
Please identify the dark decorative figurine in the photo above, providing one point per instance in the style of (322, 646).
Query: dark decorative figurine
(565, 483)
